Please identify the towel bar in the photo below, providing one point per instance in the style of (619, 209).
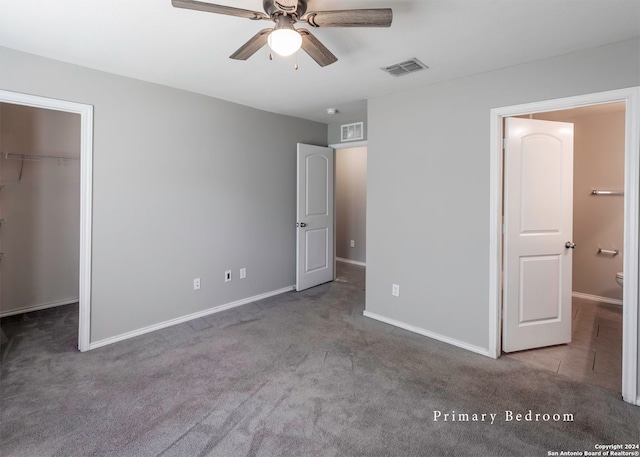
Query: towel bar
(607, 192)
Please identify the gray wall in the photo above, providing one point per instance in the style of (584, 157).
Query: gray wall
(428, 191)
(185, 186)
(598, 222)
(351, 203)
(41, 212)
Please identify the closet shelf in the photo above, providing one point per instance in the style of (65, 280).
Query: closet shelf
(15, 156)
(33, 157)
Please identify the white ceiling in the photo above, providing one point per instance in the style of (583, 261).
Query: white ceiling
(152, 41)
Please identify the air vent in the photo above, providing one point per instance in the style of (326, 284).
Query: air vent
(352, 132)
(404, 68)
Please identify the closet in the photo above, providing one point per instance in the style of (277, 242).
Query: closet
(39, 208)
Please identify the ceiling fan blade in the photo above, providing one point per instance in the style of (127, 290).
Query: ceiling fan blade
(251, 47)
(379, 17)
(219, 9)
(316, 50)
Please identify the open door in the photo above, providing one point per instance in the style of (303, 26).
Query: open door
(538, 230)
(315, 216)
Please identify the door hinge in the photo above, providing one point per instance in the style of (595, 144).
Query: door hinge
(504, 143)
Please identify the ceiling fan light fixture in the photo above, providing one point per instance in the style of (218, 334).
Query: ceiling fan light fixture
(284, 40)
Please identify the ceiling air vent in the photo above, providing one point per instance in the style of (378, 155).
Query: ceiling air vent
(404, 68)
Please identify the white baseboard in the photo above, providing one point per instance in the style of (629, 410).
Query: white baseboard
(29, 309)
(352, 262)
(188, 317)
(435, 336)
(611, 301)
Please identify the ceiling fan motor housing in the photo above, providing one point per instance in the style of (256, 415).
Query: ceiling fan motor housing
(297, 7)
(283, 22)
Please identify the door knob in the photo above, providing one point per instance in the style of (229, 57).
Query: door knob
(301, 224)
(570, 245)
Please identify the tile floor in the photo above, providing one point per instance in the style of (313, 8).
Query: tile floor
(594, 355)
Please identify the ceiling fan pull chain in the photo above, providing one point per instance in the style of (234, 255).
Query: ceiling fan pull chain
(296, 66)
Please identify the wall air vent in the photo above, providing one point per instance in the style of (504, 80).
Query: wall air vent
(404, 68)
(352, 132)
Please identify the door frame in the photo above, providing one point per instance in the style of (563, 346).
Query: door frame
(631, 96)
(336, 146)
(86, 199)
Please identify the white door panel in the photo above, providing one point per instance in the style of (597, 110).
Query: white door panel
(316, 174)
(541, 201)
(315, 216)
(317, 248)
(539, 289)
(538, 222)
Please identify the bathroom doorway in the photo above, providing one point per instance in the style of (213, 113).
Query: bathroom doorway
(594, 354)
(630, 98)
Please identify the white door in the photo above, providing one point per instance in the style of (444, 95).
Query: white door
(538, 248)
(315, 215)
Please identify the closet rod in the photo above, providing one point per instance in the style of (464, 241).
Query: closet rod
(607, 192)
(14, 156)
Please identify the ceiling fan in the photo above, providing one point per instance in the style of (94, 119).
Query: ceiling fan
(284, 38)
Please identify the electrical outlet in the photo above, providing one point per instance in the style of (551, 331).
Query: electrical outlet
(196, 284)
(395, 290)
(353, 243)
(243, 273)
(227, 276)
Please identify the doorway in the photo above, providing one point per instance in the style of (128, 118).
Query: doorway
(40, 210)
(590, 350)
(85, 113)
(351, 205)
(630, 249)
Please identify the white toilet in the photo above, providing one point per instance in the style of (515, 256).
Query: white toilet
(619, 278)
